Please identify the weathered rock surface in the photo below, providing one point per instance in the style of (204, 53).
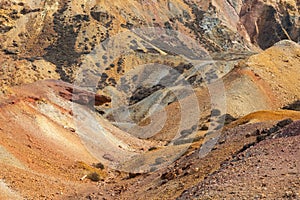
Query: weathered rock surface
(149, 99)
(254, 171)
(39, 34)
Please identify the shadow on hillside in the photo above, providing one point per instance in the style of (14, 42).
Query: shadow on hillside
(293, 106)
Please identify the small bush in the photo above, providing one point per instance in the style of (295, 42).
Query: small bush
(152, 148)
(94, 177)
(99, 166)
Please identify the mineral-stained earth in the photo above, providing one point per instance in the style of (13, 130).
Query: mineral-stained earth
(149, 99)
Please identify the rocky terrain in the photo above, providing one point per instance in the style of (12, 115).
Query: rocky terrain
(169, 99)
(51, 39)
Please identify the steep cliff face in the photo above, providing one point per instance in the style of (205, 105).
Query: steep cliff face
(267, 22)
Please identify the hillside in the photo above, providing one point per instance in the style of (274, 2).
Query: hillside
(51, 39)
(137, 99)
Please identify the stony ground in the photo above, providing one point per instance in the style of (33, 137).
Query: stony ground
(138, 113)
